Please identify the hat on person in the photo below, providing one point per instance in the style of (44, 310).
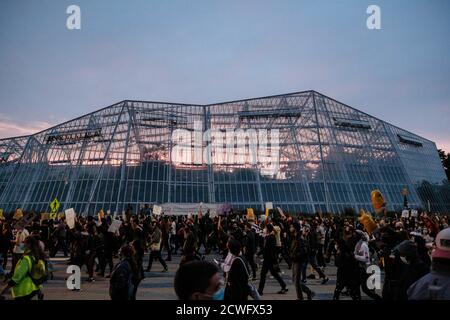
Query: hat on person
(407, 249)
(363, 235)
(442, 249)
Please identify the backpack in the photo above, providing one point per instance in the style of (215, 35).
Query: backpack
(38, 271)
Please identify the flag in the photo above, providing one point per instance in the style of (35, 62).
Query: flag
(366, 219)
(378, 202)
(250, 214)
(266, 215)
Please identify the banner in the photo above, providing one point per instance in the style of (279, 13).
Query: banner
(157, 210)
(70, 218)
(115, 226)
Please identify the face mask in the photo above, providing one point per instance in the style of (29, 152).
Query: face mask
(336, 248)
(219, 294)
(404, 260)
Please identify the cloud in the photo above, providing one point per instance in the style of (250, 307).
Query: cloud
(13, 127)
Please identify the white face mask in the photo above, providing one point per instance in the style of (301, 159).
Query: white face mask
(404, 260)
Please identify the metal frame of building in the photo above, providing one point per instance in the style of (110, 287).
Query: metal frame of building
(331, 157)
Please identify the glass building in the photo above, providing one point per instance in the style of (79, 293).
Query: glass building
(330, 157)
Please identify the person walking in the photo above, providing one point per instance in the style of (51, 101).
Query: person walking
(29, 272)
(249, 248)
(347, 268)
(362, 255)
(311, 236)
(122, 284)
(299, 257)
(270, 262)
(236, 288)
(19, 246)
(155, 248)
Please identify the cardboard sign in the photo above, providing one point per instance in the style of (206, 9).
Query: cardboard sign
(70, 218)
(405, 214)
(269, 205)
(414, 213)
(281, 213)
(250, 214)
(115, 226)
(157, 210)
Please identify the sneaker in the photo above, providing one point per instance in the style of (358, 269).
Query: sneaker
(325, 280)
(311, 295)
(91, 280)
(283, 291)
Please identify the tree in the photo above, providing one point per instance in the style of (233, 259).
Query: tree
(445, 159)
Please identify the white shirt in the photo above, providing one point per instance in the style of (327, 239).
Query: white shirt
(173, 228)
(20, 238)
(362, 252)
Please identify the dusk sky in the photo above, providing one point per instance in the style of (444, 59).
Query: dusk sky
(212, 51)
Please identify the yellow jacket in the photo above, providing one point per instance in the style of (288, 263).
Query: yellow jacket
(24, 285)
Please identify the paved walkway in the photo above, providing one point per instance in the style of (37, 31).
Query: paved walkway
(159, 286)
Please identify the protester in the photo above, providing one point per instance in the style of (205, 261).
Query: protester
(347, 271)
(29, 273)
(124, 278)
(270, 263)
(155, 248)
(299, 257)
(413, 268)
(436, 284)
(198, 280)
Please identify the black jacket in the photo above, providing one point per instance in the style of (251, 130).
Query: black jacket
(270, 249)
(237, 288)
(249, 243)
(299, 249)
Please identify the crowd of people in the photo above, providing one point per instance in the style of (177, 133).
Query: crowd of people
(228, 257)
